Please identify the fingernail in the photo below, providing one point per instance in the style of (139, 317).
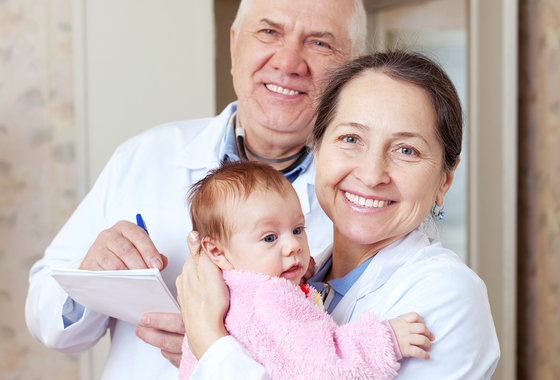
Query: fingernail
(193, 237)
(156, 262)
(145, 320)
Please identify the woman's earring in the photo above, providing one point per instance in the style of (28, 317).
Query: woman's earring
(439, 214)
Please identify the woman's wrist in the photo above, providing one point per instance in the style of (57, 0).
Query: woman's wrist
(205, 338)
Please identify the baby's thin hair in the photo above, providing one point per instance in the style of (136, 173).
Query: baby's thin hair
(224, 187)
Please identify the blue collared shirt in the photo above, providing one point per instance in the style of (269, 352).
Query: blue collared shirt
(228, 151)
(340, 285)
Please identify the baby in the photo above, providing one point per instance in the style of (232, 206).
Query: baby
(251, 226)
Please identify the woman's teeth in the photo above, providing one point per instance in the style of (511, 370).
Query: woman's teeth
(281, 90)
(365, 202)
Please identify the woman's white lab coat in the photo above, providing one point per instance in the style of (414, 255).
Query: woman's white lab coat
(412, 274)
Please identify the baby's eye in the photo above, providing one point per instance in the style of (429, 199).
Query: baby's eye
(269, 238)
(298, 230)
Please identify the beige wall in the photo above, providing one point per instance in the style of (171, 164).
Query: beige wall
(139, 65)
(37, 168)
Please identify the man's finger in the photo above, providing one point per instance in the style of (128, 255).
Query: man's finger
(164, 321)
(142, 253)
(124, 249)
(173, 357)
(165, 341)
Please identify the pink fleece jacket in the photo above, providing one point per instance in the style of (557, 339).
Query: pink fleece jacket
(294, 339)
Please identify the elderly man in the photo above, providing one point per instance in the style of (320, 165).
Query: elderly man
(280, 50)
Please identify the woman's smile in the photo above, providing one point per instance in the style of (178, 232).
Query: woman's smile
(366, 202)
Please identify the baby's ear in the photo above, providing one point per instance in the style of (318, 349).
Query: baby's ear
(216, 252)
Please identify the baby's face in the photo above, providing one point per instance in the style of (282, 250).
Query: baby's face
(269, 236)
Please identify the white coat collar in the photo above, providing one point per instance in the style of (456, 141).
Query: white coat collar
(203, 153)
(379, 270)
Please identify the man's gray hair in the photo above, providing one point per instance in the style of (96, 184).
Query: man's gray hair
(357, 24)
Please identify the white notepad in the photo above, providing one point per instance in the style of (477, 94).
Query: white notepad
(122, 294)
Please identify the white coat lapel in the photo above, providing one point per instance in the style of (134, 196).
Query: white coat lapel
(301, 185)
(322, 258)
(203, 151)
(379, 270)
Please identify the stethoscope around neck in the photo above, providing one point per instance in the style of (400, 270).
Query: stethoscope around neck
(242, 148)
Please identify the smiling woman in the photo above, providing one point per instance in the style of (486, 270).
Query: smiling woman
(380, 160)
(387, 141)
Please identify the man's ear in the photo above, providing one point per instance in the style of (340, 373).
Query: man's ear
(232, 48)
(216, 252)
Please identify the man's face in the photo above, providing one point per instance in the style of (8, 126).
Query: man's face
(282, 50)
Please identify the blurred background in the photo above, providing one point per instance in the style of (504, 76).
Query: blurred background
(77, 78)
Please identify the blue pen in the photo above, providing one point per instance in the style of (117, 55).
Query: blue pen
(141, 223)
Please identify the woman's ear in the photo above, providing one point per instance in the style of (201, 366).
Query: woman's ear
(446, 184)
(216, 252)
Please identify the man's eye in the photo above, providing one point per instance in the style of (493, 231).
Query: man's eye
(320, 43)
(297, 231)
(269, 31)
(269, 238)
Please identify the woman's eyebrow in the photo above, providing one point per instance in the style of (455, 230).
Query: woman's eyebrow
(353, 125)
(410, 135)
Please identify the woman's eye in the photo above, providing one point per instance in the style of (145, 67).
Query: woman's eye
(269, 238)
(350, 139)
(407, 151)
(297, 231)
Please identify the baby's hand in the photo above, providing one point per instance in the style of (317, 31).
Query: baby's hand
(413, 336)
(310, 270)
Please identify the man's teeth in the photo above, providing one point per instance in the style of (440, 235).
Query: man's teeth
(281, 90)
(365, 202)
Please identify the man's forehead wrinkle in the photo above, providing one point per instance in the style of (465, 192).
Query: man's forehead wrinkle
(286, 17)
(271, 23)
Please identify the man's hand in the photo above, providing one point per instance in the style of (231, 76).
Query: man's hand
(413, 336)
(204, 299)
(164, 331)
(123, 246)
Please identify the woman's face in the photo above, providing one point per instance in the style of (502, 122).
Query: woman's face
(379, 166)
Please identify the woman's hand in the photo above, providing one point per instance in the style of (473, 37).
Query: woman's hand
(413, 336)
(204, 299)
